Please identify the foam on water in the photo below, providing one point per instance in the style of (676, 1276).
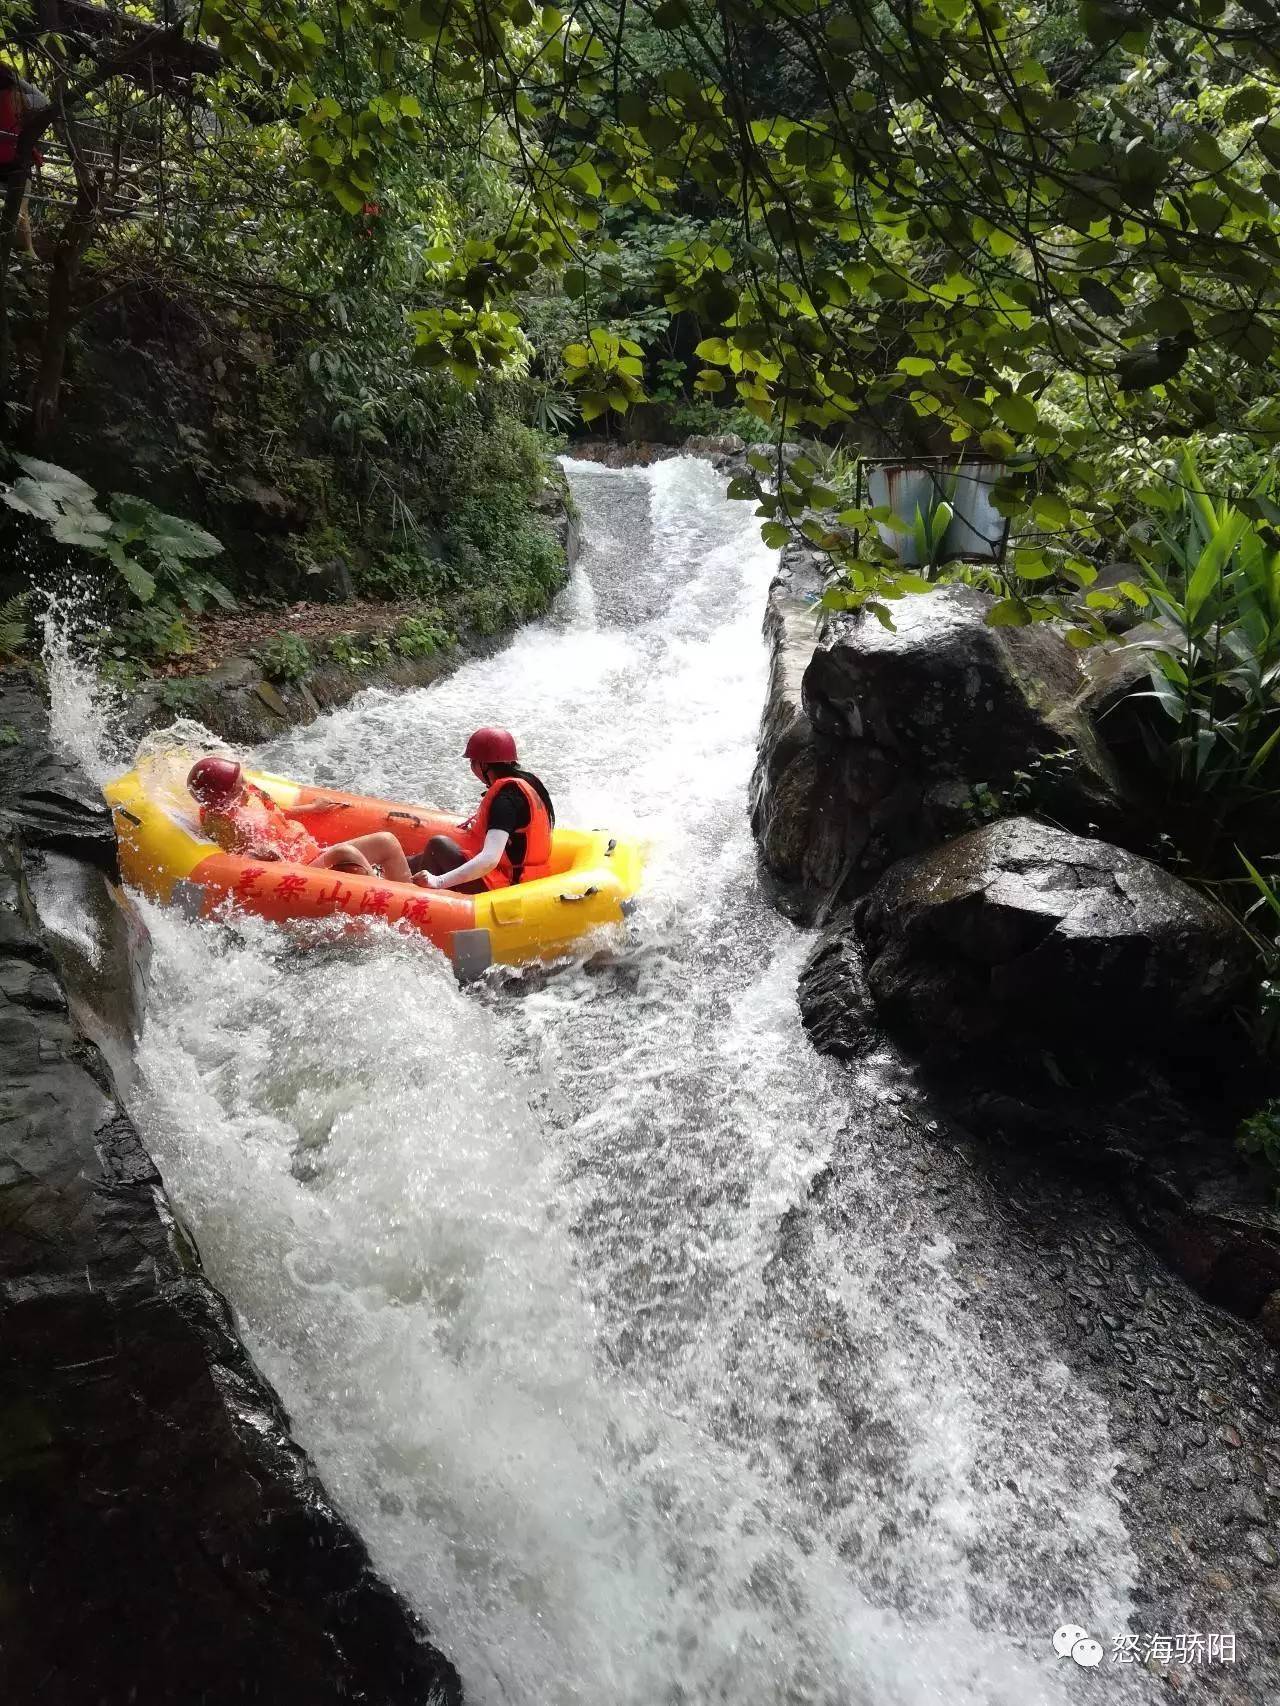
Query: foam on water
(535, 1269)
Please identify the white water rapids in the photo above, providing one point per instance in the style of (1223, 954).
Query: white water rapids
(521, 1261)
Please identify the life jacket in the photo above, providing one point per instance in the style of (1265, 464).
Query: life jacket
(254, 825)
(535, 860)
(13, 109)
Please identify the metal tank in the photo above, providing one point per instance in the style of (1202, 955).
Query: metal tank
(977, 531)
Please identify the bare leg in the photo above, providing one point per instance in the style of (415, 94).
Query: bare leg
(346, 856)
(442, 854)
(382, 849)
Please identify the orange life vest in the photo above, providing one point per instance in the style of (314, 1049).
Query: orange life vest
(537, 837)
(254, 825)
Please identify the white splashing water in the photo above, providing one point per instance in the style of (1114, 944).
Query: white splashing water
(82, 709)
(519, 1262)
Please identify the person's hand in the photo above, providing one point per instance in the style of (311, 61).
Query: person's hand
(269, 856)
(425, 880)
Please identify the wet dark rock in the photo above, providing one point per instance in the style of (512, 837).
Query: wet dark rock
(267, 508)
(1018, 929)
(43, 795)
(787, 770)
(559, 515)
(722, 449)
(162, 1539)
(1075, 1001)
(906, 732)
(835, 1004)
(620, 453)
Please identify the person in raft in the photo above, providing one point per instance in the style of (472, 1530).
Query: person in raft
(507, 839)
(242, 819)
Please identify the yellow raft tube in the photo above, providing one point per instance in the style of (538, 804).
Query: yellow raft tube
(164, 854)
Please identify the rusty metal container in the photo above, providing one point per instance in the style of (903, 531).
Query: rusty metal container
(977, 531)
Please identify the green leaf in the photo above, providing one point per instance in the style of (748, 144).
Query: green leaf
(77, 530)
(30, 497)
(1049, 511)
(1031, 565)
(139, 582)
(59, 480)
(584, 178)
(172, 536)
(1101, 298)
(1017, 412)
(1246, 103)
(1009, 613)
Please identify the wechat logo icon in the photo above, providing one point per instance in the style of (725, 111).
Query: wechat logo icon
(1079, 1643)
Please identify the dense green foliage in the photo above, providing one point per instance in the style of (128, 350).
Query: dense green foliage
(1213, 577)
(1039, 234)
(195, 300)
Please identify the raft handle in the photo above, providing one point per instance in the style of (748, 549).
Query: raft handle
(410, 817)
(128, 816)
(572, 899)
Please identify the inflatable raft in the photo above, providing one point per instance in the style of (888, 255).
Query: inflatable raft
(164, 854)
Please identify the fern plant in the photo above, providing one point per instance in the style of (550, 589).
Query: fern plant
(15, 631)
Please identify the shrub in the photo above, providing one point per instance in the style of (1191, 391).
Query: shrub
(1260, 1134)
(416, 637)
(285, 657)
(703, 417)
(180, 696)
(1213, 573)
(403, 575)
(155, 634)
(346, 650)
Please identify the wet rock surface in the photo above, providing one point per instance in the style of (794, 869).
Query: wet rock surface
(787, 772)
(900, 730)
(1190, 1393)
(1074, 1001)
(1099, 1196)
(1022, 929)
(42, 793)
(161, 1537)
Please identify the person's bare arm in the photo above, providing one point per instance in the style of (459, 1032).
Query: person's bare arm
(312, 807)
(495, 843)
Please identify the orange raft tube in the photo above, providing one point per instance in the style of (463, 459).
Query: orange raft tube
(163, 853)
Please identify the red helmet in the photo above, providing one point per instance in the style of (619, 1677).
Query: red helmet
(491, 746)
(214, 779)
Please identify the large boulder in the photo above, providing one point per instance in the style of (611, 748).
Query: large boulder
(901, 732)
(1018, 932)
